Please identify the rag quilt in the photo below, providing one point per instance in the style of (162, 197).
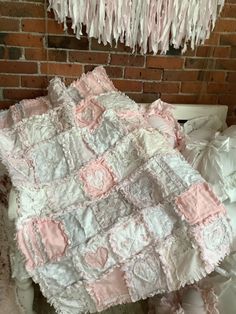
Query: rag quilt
(109, 212)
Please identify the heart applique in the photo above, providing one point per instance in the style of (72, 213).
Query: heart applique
(97, 259)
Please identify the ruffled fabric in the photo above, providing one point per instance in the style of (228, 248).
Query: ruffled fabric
(152, 25)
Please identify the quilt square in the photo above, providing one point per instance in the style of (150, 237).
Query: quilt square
(198, 203)
(94, 258)
(111, 289)
(141, 189)
(96, 178)
(214, 240)
(109, 131)
(125, 157)
(144, 275)
(49, 161)
(110, 209)
(88, 112)
(159, 221)
(128, 237)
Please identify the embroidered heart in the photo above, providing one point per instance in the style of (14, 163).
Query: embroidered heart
(146, 270)
(97, 259)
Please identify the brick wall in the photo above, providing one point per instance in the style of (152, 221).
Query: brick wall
(33, 49)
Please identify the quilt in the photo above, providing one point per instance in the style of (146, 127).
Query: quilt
(109, 212)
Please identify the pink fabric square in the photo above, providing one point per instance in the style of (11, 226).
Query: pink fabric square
(110, 290)
(198, 203)
(53, 237)
(97, 178)
(88, 112)
(36, 106)
(94, 83)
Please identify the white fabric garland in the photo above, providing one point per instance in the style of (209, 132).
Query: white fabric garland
(150, 24)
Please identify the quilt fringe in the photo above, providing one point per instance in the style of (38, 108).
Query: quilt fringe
(152, 25)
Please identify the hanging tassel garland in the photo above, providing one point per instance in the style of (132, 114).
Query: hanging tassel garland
(152, 25)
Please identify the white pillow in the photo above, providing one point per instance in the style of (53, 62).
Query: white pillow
(213, 154)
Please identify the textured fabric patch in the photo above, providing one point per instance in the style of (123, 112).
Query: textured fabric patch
(110, 130)
(41, 240)
(152, 142)
(185, 173)
(141, 190)
(180, 260)
(94, 258)
(21, 170)
(88, 112)
(49, 161)
(124, 158)
(159, 221)
(170, 185)
(214, 240)
(74, 300)
(109, 290)
(198, 203)
(56, 277)
(128, 237)
(109, 209)
(117, 101)
(10, 142)
(66, 193)
(75, 149)
(53, 237)
(32, 202)
(39, 128)
(144, 275)
(97, 178)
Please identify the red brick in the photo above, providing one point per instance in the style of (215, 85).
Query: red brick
(162, 87)
(112, 72)
(231, 77)
(9, 80)
(228, 39)
(88, 57)
(204, 51)
(180, 75)
(226, 64)
(225, 25)
(221, 88)
(128, 86)
(228, 100)
(165, 62)
(193, 87)
(18, 67)
(18, 94)
(233, 52)
(214, 76)
(63, 69)
(213, 40)
(5, 104)
(198, 63)
(35, 54)
(8, 24)
(57, 55)
(229, 10)
(127, 60)
(143, 74)
(40, 26)
(221, 52)
(34, 82)
(22, 40)
(16, 9)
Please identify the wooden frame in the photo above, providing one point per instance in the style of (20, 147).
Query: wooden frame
(191, 111)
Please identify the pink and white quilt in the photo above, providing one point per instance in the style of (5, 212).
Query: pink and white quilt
(109, 212)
